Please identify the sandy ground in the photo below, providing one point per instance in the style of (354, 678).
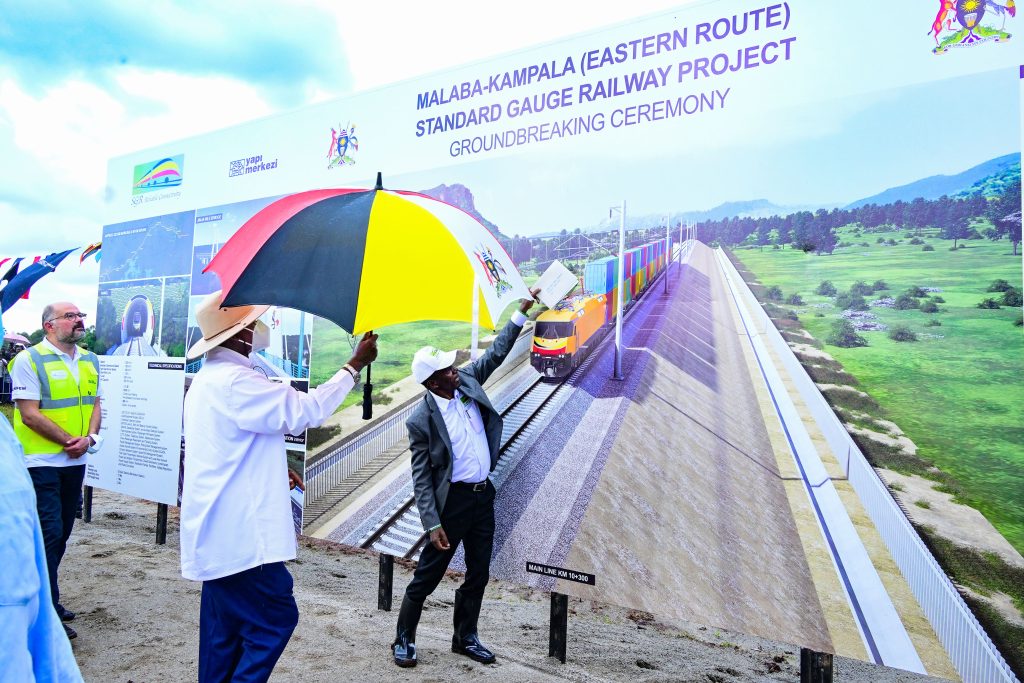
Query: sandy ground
(138, 621)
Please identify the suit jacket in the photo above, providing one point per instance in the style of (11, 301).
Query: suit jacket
(428, 437)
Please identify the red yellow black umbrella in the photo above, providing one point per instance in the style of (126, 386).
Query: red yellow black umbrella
(365, 259)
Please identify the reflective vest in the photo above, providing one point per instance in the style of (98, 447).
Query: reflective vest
(68, 404)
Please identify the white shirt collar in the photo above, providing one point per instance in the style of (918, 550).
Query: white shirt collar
(444, 403)
(74, 351)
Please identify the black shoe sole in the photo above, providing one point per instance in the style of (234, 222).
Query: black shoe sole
(404, 663)
(475, 658)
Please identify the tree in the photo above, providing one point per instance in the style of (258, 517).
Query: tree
(902, 333)
(905, 302)
(958, 223)
(773, 293)
(862, 288)
(1010, 226)
(826, 288)
(851, 302)
(844, 335)
(1012, 297)
(999, 285)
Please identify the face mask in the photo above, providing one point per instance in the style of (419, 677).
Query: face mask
(260, 337)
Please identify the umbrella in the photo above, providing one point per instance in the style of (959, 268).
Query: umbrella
(365, 259)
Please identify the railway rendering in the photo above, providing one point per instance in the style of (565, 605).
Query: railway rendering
(712, 484)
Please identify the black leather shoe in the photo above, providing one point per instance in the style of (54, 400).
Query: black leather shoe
(405, 652)
(71, 633)
(472, 647)
(404, 647)
(65, 614)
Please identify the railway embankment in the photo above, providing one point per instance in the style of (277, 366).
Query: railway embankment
(987, 570)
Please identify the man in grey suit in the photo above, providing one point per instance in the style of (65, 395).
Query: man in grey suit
(454, 436)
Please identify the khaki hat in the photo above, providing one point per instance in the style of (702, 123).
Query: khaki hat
(429, 360)
(218, 324)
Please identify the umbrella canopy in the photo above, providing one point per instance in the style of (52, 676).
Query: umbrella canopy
(16, 338)
(368, 258)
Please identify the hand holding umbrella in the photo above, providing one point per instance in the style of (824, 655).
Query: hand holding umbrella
(365, 353)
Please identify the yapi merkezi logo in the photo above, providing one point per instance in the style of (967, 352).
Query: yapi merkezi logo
(153, 176)
(968, 23)
(344, 144)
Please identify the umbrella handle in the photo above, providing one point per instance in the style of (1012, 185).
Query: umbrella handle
(367, 390)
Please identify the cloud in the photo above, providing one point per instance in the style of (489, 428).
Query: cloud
(286, 49)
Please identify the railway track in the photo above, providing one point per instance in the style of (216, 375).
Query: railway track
(401, 533)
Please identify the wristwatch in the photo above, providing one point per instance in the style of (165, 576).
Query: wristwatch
(97, 442)
(352, 371)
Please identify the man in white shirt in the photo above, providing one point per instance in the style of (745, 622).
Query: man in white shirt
(236, 521)
(454, 437)
(55, 387)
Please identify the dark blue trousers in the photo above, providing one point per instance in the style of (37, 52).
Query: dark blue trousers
(245, 621)
(57, 493)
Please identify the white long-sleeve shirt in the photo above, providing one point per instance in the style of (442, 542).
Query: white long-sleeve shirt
(235, 504)
(471, 456)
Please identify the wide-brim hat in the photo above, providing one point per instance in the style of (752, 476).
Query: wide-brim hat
(218, 324)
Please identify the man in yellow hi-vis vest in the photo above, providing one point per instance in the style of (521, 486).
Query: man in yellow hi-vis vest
(57, 420)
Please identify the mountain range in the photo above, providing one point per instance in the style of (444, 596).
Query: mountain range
(986, 178)
(936, 186)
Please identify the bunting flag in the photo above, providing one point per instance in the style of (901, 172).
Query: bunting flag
(11, 271)
(20, 283)
(89, 250)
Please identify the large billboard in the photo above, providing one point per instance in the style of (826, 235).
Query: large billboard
(826, 343)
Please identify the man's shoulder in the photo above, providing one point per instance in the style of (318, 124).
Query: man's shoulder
(22, 359)
(420, 415)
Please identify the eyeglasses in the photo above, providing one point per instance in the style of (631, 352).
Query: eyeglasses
(69, 317)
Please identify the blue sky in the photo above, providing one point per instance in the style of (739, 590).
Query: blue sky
(83, 82)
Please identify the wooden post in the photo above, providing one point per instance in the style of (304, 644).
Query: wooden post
(815, 667)
(87, 504)
(559, 626)
(161, 523)
(385, 582)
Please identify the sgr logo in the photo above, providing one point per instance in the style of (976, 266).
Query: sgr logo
(968, 23)
(159, 175)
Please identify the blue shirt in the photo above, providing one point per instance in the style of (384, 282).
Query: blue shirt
(35, 647)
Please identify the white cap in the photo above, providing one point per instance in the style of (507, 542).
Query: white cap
(429, 360)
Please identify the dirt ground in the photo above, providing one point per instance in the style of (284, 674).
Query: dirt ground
(138, 622)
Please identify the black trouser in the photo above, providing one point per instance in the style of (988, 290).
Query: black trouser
(57, 492)
(467, 518)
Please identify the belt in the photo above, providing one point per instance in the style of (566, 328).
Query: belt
(475, 487)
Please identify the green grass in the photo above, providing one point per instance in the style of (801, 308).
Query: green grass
(985, 573)
(960, 398)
